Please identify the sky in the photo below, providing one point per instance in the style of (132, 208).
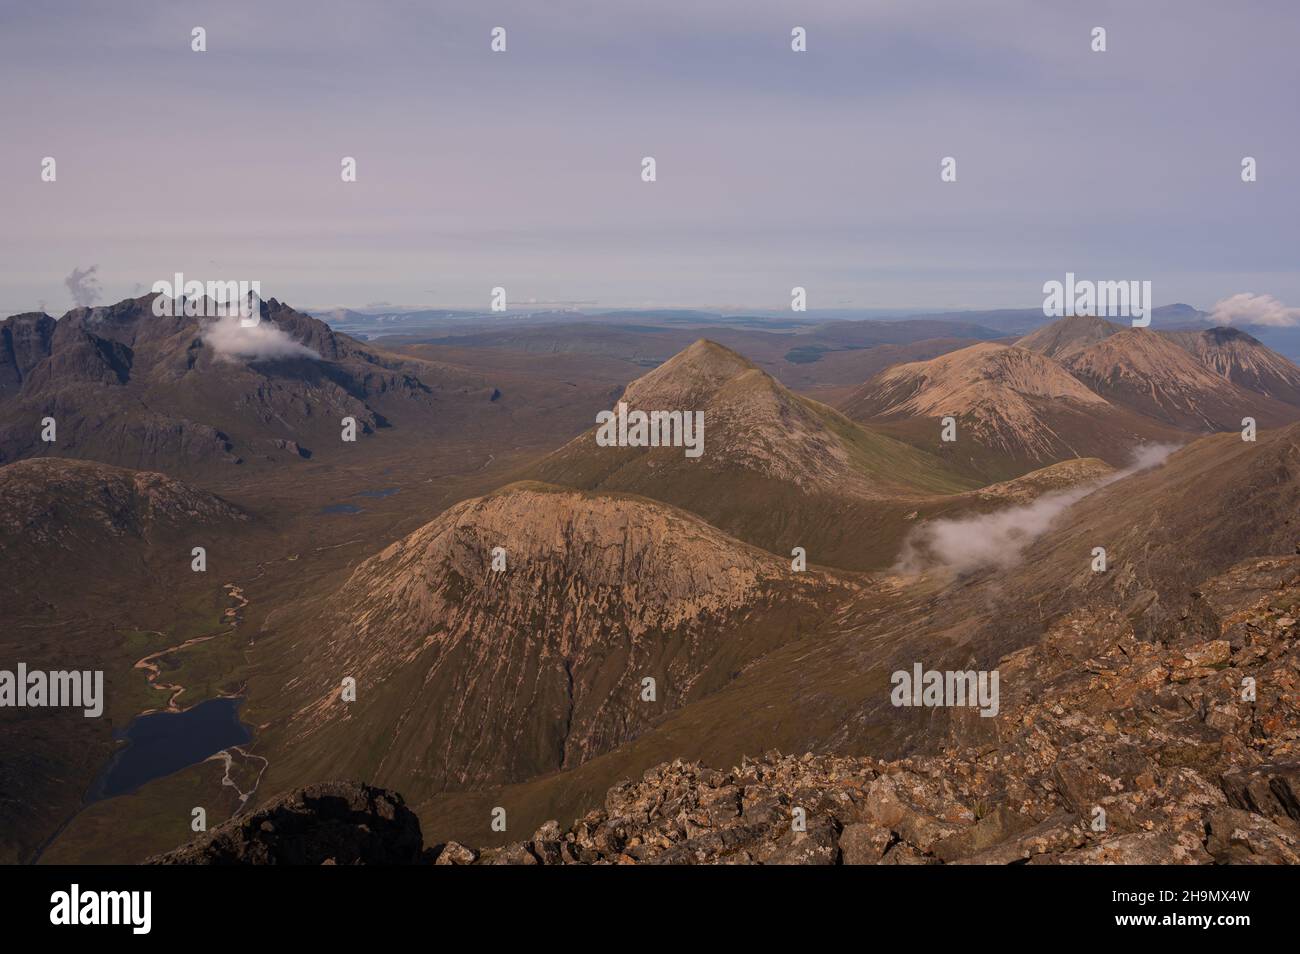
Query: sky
(774, 168)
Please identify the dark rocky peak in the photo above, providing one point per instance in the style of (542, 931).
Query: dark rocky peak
(333, 823)
(1223, 334)
(80, 357)
(24, 343)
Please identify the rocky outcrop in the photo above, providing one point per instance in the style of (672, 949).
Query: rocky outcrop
(334, 823)
(24, 343)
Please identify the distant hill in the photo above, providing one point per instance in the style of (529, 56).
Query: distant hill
(1015, 409)
(1153, 375)
(483, 675)
(779, 470)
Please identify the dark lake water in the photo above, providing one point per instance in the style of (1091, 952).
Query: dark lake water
(353, 508)
(165, 742)
(382, 492)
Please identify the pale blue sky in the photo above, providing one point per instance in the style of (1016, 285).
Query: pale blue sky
(775, 168)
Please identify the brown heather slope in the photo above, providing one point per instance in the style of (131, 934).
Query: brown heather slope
(1093, 719)
(469, 676)
(1211, 505)
(73, 527)
(778, 470)
(86, 551)
(826, 689)
(130, 388)
(1016, 410)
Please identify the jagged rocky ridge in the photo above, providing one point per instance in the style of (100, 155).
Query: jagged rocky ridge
(1187, 767)
(134, 389)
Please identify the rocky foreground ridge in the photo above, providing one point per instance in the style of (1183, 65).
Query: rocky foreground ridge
(1189, 751)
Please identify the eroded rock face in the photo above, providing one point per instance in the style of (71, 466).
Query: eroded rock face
(993, 387)
(502, 674)
(1243, 360)
(341, 823)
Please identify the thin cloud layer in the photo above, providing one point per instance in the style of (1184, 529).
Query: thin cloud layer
(262, 342)
(999, 539)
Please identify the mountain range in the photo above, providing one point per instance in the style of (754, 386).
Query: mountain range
(1080, 387)
(512, 613)
(127, 387)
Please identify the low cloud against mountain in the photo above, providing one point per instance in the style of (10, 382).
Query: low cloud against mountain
(261, 342)
(999, 539)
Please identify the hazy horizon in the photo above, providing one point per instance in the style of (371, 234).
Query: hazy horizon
(521, 169)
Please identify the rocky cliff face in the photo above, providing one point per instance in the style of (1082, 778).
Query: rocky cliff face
(24, 343)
